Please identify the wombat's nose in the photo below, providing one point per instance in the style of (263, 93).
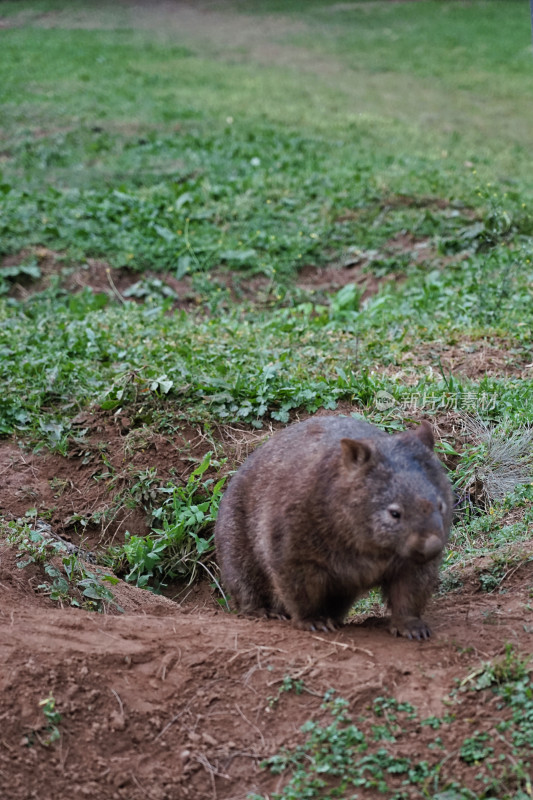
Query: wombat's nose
(432, 547)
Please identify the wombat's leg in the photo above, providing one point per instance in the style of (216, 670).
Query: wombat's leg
(407, 594)
(305, 593)
(252, 596)
(249, 588)
(262, 605)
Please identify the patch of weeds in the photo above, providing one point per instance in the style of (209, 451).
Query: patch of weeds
(370, 603)
(225, 208)
(54, 435)
(184, 539)
(497, 462)
(288, 684)
(327, 753)
(432, 722)
(53, 717)
(143, 490)
(474, 749)
(509, 670)
(393, 715)
(490, 579)
(338, 758)
(150, 289)
(19, 273)
(50, 732)
(450, 582)
(70, 581)
(139, 360)
(489, 535)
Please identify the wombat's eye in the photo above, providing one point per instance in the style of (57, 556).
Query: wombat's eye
(442, 506)
(395, 512)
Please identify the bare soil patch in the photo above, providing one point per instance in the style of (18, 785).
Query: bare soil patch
(477, 358)
(94, 274)
(333, 277)
(89, 495)
(468, 358)
(127, 285)
(161, 703)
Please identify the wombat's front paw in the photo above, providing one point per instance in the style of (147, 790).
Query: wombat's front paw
(265, 613)
(325, 624)
(412, 628)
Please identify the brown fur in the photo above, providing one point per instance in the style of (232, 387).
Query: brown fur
(327, 509)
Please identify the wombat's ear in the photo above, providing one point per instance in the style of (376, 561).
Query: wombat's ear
(424, 432)
(355, 452)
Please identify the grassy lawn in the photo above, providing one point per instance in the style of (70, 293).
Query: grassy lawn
(382, 143)
(156, 153)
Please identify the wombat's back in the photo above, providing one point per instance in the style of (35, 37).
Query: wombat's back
(294, 451)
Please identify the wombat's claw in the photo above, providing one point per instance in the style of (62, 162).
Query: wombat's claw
(413, 628)
(327, 625)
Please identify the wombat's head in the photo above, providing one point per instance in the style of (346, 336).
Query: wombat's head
(401, 489)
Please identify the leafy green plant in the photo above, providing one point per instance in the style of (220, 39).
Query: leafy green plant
(70, 581)
(474, 748)
(49, 732)
(9, 275)
(337, 758)
(509, 670)
(177, 548)
(52, 717)
(288, 684)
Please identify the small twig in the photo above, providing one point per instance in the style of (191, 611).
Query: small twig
(219, 587)
(9, 466)
(139, 784)
(172, 721)
(113, 286)
(202, 758)
(167, 660)
(346, 646)
(296, 675)
(211, 771)
(257, 647)
(119, 702)
(251, 724)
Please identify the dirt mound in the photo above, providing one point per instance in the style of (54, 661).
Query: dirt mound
(163, 703)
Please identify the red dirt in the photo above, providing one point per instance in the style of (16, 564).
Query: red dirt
(95, 275)
(165, 703)
(333, 277)
(473, 358)
(90, 495)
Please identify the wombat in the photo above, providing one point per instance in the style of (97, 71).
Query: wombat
(327, 509)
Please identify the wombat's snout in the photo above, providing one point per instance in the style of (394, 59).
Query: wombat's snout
(422, 549)
(432, 547)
